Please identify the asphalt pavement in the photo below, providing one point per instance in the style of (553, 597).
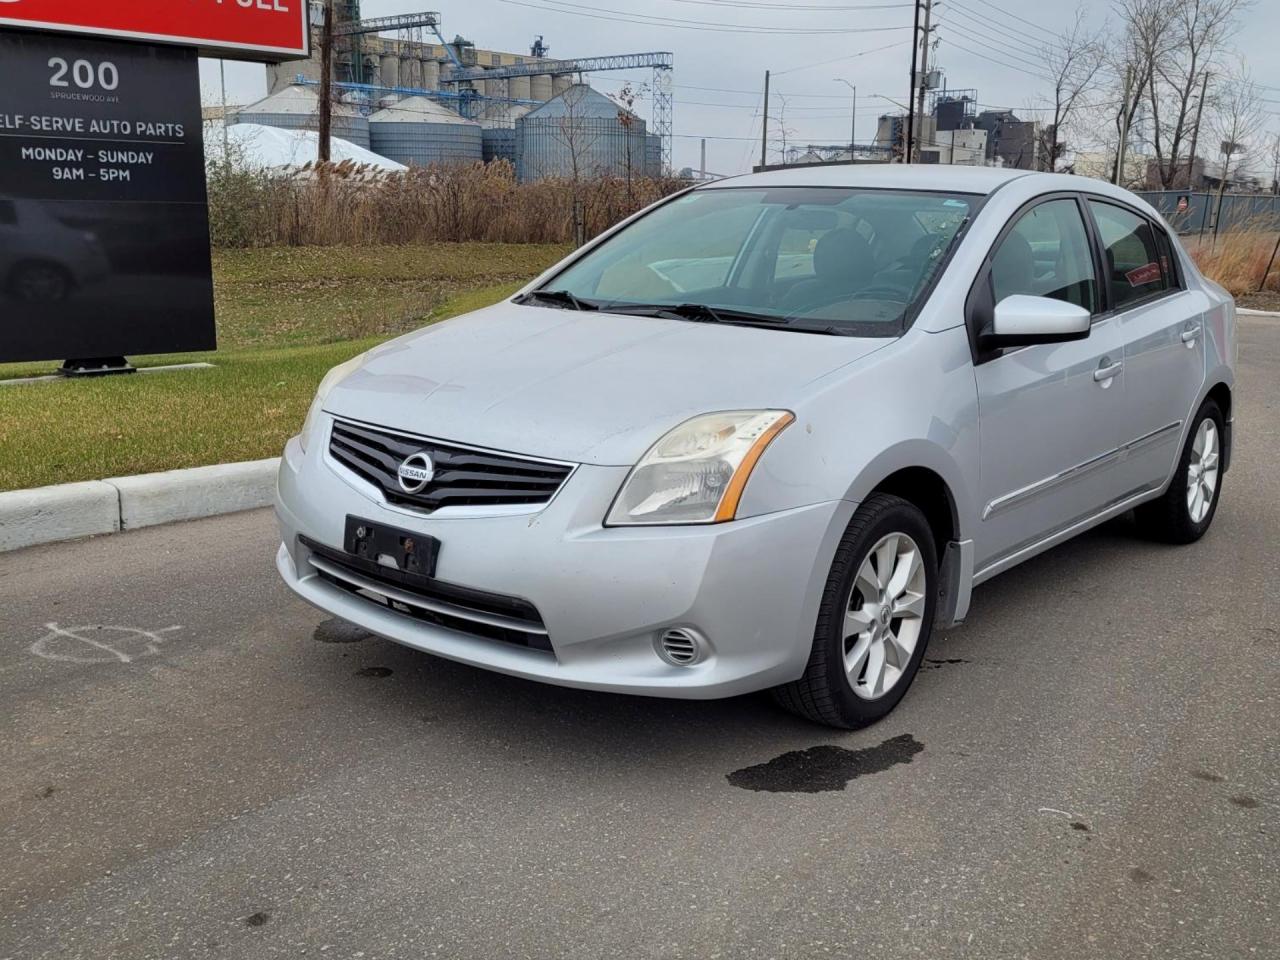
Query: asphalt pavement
(194, 764)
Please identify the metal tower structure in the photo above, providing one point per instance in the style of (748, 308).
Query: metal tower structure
(409, 28)
(662, 64)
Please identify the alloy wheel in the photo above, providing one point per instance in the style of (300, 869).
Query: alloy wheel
(1202, 472)
(884, 615)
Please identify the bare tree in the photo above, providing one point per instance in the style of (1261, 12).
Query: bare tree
(1198, 30)
(575, 132)
(1143, 40)
(626, 99)
(1275, 162)
(1237, 115)
(1072, 65)
(785, 133)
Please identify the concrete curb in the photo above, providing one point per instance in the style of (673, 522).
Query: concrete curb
(1249, 312)
(72, 510)
(47, 514)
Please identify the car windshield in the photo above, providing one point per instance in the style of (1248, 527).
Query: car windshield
(828, 260)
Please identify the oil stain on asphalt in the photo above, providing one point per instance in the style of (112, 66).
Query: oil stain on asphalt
(374, 672)
(339, 631)
(824, 768)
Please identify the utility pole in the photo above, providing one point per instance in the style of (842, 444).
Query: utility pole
(908, 146)
(326, 82)
(1124, 127)
(1195, 132)
(702, 171)
(853, 121)
(226, 137)
(764, 127)
(924, 73)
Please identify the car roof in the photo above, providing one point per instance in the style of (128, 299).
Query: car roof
(896, 176)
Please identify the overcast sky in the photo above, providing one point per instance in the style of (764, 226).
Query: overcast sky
(719, 67)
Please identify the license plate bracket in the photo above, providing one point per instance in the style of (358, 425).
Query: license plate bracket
(410, 552)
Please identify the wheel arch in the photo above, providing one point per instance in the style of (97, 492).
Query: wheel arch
(924, 474)
(1220, 393)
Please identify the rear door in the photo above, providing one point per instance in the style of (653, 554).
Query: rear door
(1162, 327)
(1050, 413)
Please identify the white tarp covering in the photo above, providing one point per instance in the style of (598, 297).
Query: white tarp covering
(272, 148)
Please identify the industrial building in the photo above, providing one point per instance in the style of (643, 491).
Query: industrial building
(405, 92)
(954, 131)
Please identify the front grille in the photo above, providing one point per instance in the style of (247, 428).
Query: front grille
(463, 477)
(480, 613)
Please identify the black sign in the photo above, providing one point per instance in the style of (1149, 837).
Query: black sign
(104, 224)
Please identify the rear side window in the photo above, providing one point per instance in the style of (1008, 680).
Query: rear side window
(1137, 268)
(1046, 254)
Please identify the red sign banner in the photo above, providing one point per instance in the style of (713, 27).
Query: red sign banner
(272, 30)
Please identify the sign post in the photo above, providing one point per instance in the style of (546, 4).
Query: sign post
(104, 226)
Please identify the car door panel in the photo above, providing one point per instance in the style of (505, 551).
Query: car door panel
(1163, 329)
(1049, 439)
(1050, 413)
(1164, 370)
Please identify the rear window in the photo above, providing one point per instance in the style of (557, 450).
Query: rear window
(1136, 266)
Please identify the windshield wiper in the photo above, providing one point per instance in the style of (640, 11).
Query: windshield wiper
(703, 313)
(697, 312)
(561, 298)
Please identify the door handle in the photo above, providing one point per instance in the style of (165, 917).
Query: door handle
(1191, 334)
(1107, 369)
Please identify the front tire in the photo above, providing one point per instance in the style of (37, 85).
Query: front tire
(1183, 513)
(875, 618)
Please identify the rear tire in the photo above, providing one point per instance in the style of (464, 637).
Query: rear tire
(874, 620)
(1181, 515)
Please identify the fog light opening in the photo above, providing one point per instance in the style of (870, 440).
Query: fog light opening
(681, 646)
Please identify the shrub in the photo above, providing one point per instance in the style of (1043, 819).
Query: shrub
(326, 205)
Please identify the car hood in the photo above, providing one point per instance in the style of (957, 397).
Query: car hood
(585, 387)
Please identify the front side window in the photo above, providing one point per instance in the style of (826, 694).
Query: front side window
(1046, 254)
(1136, 268)
(831, 259)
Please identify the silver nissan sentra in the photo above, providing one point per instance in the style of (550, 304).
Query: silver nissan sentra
(769, 433)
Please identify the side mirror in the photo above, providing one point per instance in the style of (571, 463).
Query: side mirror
(1021, 320)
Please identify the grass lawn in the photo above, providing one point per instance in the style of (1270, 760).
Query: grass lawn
(285, 316)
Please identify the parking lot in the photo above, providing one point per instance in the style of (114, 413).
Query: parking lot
(198, 765)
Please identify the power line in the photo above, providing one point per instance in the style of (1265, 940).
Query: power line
(850, 56)
(623, 16)
(1007, 13)
(746, 5)
(973, 37)
(1012, 34)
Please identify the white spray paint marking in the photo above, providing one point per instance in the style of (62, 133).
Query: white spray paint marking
(99, 643)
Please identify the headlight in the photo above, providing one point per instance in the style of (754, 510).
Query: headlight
(697, 472)
(322, 392)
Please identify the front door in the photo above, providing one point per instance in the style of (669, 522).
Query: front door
(1050, 413)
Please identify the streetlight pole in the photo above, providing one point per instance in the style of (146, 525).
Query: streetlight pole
(853, 121)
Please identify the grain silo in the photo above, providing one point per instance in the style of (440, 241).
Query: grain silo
(297, 107)
(498, 129)
(652, 154)
(580, 134)
(419, 132)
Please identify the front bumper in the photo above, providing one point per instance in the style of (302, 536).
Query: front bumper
(751, 587)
